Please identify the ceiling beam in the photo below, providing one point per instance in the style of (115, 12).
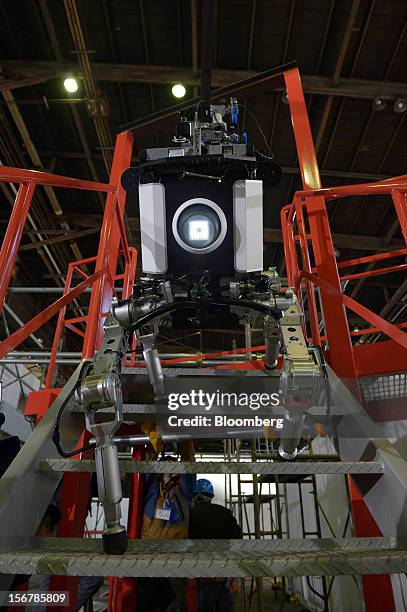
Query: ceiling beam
(147, 58)
(56, 239)
(19, 83)
(14, 70)
(56, 50)
(110, 31)
(342, 241)
(343, 49)
(97, 110)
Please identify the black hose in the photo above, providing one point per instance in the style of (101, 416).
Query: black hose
(186, 304)
(269, 310)
(157, 312)
(311, 588)
(163, 310)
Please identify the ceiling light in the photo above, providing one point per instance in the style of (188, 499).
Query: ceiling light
(378, 104)
(400, 106)
(71, 85)
(178, 90)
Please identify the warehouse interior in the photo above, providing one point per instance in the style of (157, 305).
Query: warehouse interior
(305, 104)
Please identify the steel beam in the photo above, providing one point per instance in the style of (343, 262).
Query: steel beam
(53, 39)
(12, 237)
(109, 246)
(343, 49)
(17, 319)
(143, 73)
(70, 235)
(91, 88)
(45, 315)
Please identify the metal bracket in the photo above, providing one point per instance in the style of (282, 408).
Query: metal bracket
(300, 380)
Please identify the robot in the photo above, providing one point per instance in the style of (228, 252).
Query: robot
(201, 226)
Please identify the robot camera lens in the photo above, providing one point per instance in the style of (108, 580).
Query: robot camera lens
(199, 227)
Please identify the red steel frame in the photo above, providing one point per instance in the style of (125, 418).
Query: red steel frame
(113, 241)
(325, 274)
(342, 355)
(28, 180)
(347, 360)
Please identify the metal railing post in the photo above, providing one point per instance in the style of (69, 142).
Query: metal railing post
(58, 332)
(13, 235)
(108, 247)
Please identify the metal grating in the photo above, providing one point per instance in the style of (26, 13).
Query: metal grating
(219, 467)
(207, 558)
(384, 387)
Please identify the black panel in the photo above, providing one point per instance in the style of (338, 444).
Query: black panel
(221, 260)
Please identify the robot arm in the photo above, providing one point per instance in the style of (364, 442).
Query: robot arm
(101, 388)
(201, 225)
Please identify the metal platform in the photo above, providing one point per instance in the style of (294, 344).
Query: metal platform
(218, 467)
(207, 558)
(384, 387)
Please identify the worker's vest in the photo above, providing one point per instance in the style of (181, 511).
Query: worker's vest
(176, 527)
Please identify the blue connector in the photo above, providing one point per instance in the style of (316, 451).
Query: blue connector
(234, 111)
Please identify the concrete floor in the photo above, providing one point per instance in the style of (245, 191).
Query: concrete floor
(273, 601)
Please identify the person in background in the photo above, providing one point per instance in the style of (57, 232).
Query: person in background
(87, 585)
(209, 521)
(167, 501)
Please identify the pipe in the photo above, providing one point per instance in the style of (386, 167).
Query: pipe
(40, 361)
(110, 495)
(44, 354)
(194, 435)
(20, 322)
(291, 433)
(153, 364)
(69, 361)
(49, 290)
(63, 354)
